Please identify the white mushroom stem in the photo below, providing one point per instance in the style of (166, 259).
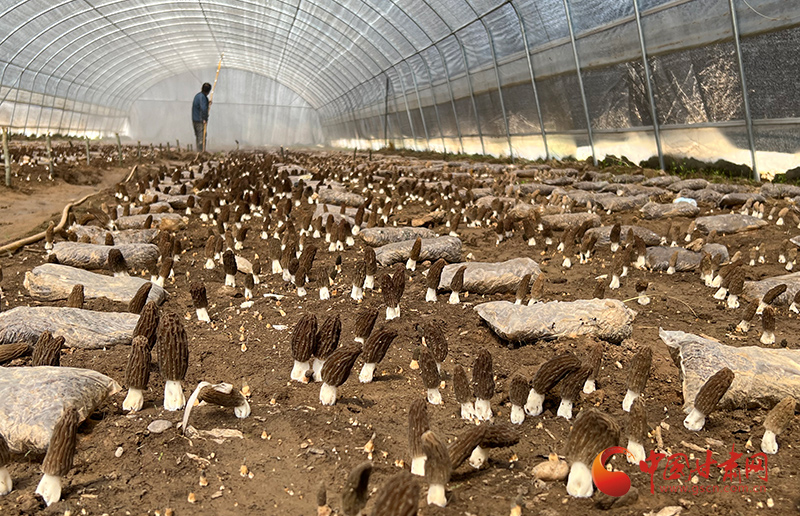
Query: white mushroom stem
(614, 247)
(248, 294)
(640, 262)
(357, 293)
(209, 263)
(430, 295)
(531, 241)
(733, 301)
(628, 400)
(418, 465)
(695, 420)
(369, 282)
(579, 482)
(434, 396)
(324, 293)
(589, 387)
(160, 281)
(242, 411)
(517, 414)
(367, 372)
(644, 299)
(299, 371)
(230, 280)
(769, 444)
(565, 409)
(49, 488)
(478, 458)
(327, 394)
(6, 485)
(264, 235)
(276, 267)
(301, 292)
(721, 293)
(411, 265)
(614, 282)
(173, 396)
(286, 275)
(483, 409)
(316, 366)
(671, 270)
(768, 338)
(454, 299)
(467, 410)
(121, 274)
(533, 406)
(761, 306)
(567, 263)
(202, 315)
(717, 281)
(134, 400)
(794, 308)
(637, 452)
(190, 405)
(743, 326)
(392, 312)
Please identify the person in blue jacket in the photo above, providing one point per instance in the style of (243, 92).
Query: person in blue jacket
(200, 115)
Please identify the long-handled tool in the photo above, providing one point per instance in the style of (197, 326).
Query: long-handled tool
(210, 98)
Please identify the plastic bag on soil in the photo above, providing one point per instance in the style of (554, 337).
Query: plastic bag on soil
(757, 289)
(382, 236)
(563, 221)
(32, 399)
(51, 282)
(128, 236)
(447, 247)
(80, 328)
(657, 257)
(94, 256)
(704, 196)
(491, 278)
(763, 376)
(604, 235)
(687, 184)
(339, 197)
(728, 223)
(607, 319)
(654, 210)
(165, 221)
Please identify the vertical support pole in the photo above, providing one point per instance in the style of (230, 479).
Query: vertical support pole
(386, 116)
(648, 83)
(435, 104)
(533, 80)
(119, 149)
(49, 157)
(408, 111)
(471, 94)
(6, 157)
(178, 144)
(580, 80)
(499, 89)
(139, 150)
(168, 148)
(88, 157)
(747, 117)
(452, 101)
(419, 106)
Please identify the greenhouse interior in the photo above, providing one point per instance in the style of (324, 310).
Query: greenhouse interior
(399, 257)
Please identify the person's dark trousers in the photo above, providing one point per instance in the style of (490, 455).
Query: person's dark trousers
(198, 134)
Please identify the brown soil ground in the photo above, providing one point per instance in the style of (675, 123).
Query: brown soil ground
(291, 443)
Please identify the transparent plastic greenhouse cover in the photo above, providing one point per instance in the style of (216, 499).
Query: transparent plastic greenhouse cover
(533, 78)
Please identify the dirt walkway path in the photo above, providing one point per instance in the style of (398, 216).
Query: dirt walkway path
(22, 211)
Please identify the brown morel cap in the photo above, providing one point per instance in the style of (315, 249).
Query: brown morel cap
(482, 375)
(713, 390)
(780, 416)
(418, 424)
(428, 369)
(339, 363)
(140, 298)
(76, 298)
(137, 371)
(461, 385)
(637, 422)
(398, 497)
(328, 336)
(356, 489)
(304, 338)
(639, 370)
(365, 321)
(437, 465)
(435, 274)
(147, 325)
(592, 432)
(377, 344)
(198, 292)
(457, 283)
(58, 460)
(173, 347)
(9, 352)
(552, 371)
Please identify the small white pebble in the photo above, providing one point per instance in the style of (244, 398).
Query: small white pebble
(119, 452)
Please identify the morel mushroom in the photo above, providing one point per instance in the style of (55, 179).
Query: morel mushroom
(48, 236)
(58, 460)
(437, 468)
(463, 392)
(47, 351)
(770, 296)
(614, 237)
(221, 395)
(433, 279)
(537, 290)
(147, 325)
(336, 371)
(591, 433)
(735, 288)
(399, 280)
(173, 359)
(456, 284)
(304, 341)
(389, 297)
(374, 351)
(356, 489)
(137, 374)
(435, 340)
(211, 244)
(418, 424)
(518, 395)
(522, 289)
(795, 306)
(6, 485)
(250, 284)
(768, 326)
(483, 382)
(116, 263)
(494, 436)
(139, 299)
(365, 321)
(638, 372)
(641, 292)
(398, 497)
(229, 266)
(9, 352)
(327, 342)
(637, 431)
(430, 376)
(413, 257)
(707, 398)
(359, 276)
(570, 388)
(548, 375)
(164, 271)
(594, 363)
(776, 422)
(75, 299)
(372, 267)
(200, 301)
